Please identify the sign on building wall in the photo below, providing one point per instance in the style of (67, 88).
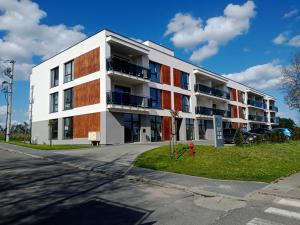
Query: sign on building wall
(218, 131)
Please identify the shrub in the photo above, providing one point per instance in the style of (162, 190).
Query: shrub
(277, 136)
(259, 139)
(238, 138)
(296, 134)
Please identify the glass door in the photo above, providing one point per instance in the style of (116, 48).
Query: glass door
(132, 127)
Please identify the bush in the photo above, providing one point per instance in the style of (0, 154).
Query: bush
(296, 134)
(277, 136)
(238, 138)
(259, 139)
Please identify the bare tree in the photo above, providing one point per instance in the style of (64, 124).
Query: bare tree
(291, 82)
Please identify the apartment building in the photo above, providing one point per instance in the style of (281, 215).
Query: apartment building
(125, 89)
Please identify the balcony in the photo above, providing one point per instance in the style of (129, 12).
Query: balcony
(200, 110)
(273, 108)
(127, 101)
(124, 69)
(257, 118)
(211, 91)
(257, 104)
(274, 119)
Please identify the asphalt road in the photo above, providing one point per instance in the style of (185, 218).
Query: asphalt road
(38, 191)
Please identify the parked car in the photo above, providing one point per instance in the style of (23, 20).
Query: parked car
(228, 134)
(285, 131)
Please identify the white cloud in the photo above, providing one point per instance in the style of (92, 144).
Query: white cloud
(290, 13)
(246, 49)
(189, 32)
(25, 35)
(295, 41)
(2, 110)
(280, 39)
(264, 76)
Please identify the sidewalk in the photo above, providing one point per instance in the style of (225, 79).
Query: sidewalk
(95, 160)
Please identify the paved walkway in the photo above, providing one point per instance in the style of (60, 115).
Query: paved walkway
(117, 161)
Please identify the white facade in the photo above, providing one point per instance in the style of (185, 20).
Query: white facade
(112, 122)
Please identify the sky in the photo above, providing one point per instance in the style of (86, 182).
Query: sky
(247, 41)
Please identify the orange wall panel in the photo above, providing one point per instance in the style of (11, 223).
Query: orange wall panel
(241, 114)
(234, 111)
(166, 99)
(165, 74)
(233, 95)
(166, 126)
(176, 77)
(82, 124)
(177, 101)
(87, 93)
(87, 63)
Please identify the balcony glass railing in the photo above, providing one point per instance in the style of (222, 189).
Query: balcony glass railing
(274, 119)
(123, 66)
(211, 111)
(258, 118)
(126, 99)
(211, 91)
(256, 103)
(273, 108)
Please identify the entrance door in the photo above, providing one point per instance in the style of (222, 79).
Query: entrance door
(132, 128)
(178, 125)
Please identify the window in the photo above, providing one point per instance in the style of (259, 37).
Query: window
(68, 71)
(156, 131)
(185, 103)
(54, 73)
(53, 126)
(68, 128)
(202, 125)
(189, 129)
(54, 102)
(184, 80)
(154, 72)
(155, 95)
(68, 99)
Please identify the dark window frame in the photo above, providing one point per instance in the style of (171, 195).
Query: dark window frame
(54, 73)
(155, 124)
(155, 76)
(53, 102)
(156, 99)
(65, 99)
(189, 123)
(54, 129)
(186, 108)
(185, 84)
(70, 128)
(71, 75)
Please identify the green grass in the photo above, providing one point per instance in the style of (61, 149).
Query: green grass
(48, 147)
(263, 162)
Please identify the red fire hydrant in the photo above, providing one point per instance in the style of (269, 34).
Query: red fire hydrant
(192, 150)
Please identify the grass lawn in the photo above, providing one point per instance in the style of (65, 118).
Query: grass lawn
(48, 147)
(263, 162)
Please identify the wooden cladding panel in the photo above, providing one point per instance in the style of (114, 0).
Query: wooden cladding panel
(234, 111)
(166, 126)
(87, 63)
(165, 74)
(241, 113)
(177, 101)
(233, 95)
(176, 77)
(82, 124)
(87, 93)
(166, 99)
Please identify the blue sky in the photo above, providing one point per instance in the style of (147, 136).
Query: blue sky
(262, 37)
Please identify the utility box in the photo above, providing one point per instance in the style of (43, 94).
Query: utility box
(94, 137)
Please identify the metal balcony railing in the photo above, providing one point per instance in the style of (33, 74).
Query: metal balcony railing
(256, 103)
(211, 111)
(273, 108)
(274, 119)
(123, 66)
(211, 91)
(258, 118)
(126, 99)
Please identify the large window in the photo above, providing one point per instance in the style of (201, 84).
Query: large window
(155, 95)
(154, 72)
(156, 131)
(69, 71)
(68, 128)
(202, 126)
(189, 129)
(68, 99)
(54, 77)
(54, 102)
(185, 103)
(53, 126)
(184, 80)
